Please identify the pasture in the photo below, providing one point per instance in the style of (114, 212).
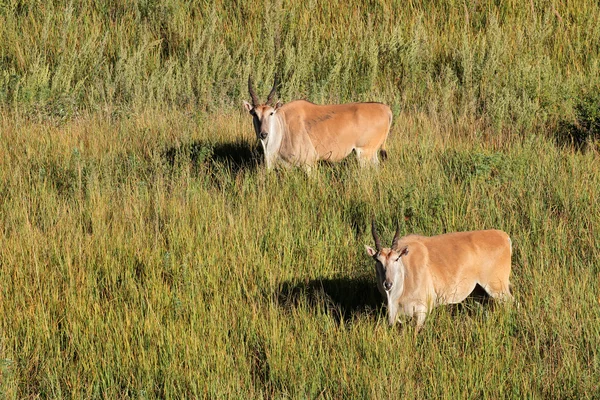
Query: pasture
(145, 252)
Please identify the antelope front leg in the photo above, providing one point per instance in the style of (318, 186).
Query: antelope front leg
(393, 308)
(420, 321)
(307, 169)
(420, 313)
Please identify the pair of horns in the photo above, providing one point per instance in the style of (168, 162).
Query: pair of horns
(376, 236)
(271, 96)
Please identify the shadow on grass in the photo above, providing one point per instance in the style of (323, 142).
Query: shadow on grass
(342, 298)
(471, 304)
(581, 133)
(236, 156)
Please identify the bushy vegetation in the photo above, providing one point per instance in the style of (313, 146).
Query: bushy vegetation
(145, 251)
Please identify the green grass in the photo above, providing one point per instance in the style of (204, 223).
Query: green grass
(146, 252)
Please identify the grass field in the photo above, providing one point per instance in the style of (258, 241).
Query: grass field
(146, 253)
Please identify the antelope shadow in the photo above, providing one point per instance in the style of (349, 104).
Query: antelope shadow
(342, 298)
(236, 156)
(470, 305)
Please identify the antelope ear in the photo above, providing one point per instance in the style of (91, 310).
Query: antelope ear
(278, 104)
(370, 251)
(248, 106)
(403, 251)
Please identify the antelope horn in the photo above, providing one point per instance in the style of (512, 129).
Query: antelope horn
(375, 236)
(396, 237)
(272, 94)
(252, 94)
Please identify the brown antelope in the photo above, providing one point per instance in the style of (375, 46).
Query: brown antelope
(302, 133)
(418, 272)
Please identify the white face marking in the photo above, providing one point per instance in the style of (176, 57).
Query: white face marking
(390, 273)
(268, 130)
(264, 120)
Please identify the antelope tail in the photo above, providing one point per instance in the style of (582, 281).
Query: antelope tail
(383, 153)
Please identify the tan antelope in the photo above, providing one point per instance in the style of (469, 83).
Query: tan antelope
(302, 133)
(418, 272)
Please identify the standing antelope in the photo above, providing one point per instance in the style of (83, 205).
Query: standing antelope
(419, 272)
(302, 133)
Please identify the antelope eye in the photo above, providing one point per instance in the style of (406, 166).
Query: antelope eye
(272, 112)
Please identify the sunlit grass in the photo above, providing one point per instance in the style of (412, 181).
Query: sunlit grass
(146, 252)
(126, 274)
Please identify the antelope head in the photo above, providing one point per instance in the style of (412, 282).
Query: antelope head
(388, 264)
(262, 113)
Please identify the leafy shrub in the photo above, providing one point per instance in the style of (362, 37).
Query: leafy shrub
(463, 166)
(584, 131)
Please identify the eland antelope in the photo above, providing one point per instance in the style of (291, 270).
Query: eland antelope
(302, 133)
(418, 272)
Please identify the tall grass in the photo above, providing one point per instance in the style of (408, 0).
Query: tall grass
(514, 66)
(145, 251)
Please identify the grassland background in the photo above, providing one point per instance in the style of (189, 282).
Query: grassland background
(145, 252)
